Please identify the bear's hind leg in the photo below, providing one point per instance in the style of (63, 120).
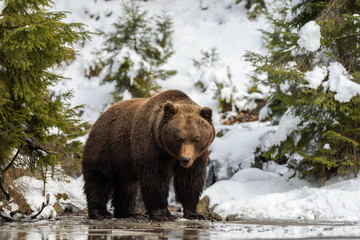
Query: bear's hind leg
(124, 200)
(97, 191)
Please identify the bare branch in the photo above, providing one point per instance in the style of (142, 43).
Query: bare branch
(42, 207)
(7, 195)
(12, 160)
(5, 204)
(7, 219)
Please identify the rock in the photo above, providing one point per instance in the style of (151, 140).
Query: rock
(203, 205)
(212, 216)
(62, 196)
(234, 217)
(204, 208)
(59, 210)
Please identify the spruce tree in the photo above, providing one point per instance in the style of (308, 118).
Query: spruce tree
(214, 78)
(38, 128)
(254, 7)
(135, 52)
(303, 80)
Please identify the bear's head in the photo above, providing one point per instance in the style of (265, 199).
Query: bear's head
(186, 131)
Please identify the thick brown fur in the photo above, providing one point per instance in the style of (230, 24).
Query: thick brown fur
(145, 143)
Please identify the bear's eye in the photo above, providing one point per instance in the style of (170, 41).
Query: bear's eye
(197, 139)
(179, 139)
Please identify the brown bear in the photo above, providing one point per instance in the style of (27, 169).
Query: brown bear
(146, 143)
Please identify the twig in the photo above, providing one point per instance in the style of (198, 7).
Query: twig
(7, 219)
(42, 207)
(5, 204)
(349, 36)
(2, 187)
(7, 195)
(12, 160)
(35, 146)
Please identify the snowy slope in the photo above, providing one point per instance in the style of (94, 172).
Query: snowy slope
(223, 25)
(250, 193)
(255, 194)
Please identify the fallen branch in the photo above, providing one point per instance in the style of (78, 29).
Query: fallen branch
(5, 204)
(42, 207)
(7, 219)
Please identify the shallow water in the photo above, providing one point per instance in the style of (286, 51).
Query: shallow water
(77, 227)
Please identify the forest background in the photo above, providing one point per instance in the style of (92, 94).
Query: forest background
(282, 77)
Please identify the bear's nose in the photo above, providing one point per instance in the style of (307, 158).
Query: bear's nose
(185, 160)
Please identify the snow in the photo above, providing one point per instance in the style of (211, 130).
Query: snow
(340, 83)
(237, 147)
(196, 30)
(241, 188)
(277, 198)
(213, 75)
(2, 6)
(291, 14)
(264, 112)
(251, 193)
(288, 123)
(277, 230)
(315, 76)
(309, 36)
(32, 189)
(131, 55)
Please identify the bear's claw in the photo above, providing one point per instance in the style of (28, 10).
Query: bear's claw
(194, 216)
(99, 215)
(162, 215)
(163, 218)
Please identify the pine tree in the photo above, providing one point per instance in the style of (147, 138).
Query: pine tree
(254, 7)
(328, 135)
(37, 126)
(135, 52)
(214, 78)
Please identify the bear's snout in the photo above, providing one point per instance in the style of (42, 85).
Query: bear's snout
(187, 155)
(184, 161)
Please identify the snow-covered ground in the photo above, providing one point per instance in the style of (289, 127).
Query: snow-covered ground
(250, 193)
(255, 194)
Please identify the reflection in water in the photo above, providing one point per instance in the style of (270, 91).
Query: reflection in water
(75, 228)
(119, 230)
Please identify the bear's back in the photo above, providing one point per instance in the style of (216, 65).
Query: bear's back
(109, 138)
(174, 96)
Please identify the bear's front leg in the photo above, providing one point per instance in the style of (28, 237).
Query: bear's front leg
(188, 183)
(155, 181)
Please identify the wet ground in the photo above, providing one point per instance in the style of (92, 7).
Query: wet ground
(78, 228)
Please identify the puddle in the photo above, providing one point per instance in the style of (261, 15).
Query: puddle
(78, 228)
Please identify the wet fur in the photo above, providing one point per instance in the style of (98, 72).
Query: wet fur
(125, 150)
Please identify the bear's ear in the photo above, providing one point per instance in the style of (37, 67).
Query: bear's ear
(169, 110)
(206, 113)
